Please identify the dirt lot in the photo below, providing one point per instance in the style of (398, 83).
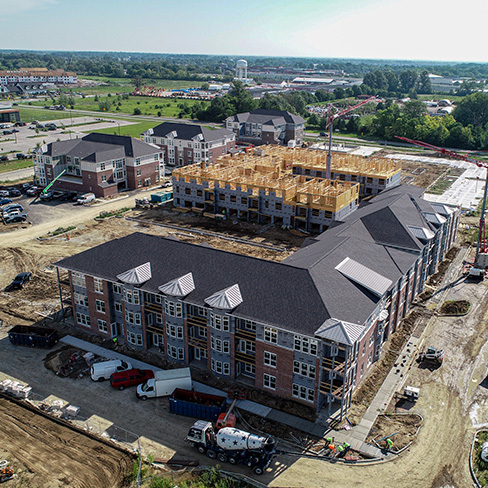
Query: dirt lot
(49, 455)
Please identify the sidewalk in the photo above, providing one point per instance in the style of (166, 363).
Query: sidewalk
(246, 405)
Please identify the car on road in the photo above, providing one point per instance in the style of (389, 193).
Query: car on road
(130, 377)
(15, 217)
(5, 201)
(15, 207)
(20, 280)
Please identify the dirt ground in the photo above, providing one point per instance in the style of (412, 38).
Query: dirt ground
(49, 455)
(401, 428)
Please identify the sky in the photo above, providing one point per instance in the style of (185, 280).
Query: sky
(437, 30)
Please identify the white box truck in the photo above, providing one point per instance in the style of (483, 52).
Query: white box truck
(164, 383)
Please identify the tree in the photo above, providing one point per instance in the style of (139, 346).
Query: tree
(313, 121)
(104, 105)
(137, 82)
(414, 109)
(137, 111)
(472, 109)
(339, 93)
(408, 78)
(423, 83)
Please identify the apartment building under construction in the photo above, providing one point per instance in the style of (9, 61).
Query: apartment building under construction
(282, 186)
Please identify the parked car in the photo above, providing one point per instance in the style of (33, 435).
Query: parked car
(130, 377)
(166, 184)
(15, 217)
(14, 130)
(47, 196)
(4, 193)
(21, 156)
(102, 371)
(86, 198)
(14, 192)
(20, 124)
(7, 132)
(4, 201)
(71, 195)
(34, 190)
(20, 280)
(3, 158)
(15, 207)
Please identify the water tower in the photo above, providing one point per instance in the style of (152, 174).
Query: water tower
(241, 69)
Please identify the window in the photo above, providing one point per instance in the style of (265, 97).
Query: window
(131, 296)
(173, 309)
(202, 331)
(174, 331)
(157, 340)
(138, 172)
(250, 325)
(270, 359)
(78, 279)
(135, 339)
(118, 306)
(249, 369)
(220, 367)
(138, 161)
(102, 166)
(226, 368)
(159, 318)
(83, 319)
(100, 306)
(81, 299)
(269, 381)
(176, 352)
(247, 347)
(278, 206)
(158, 299)
(98, 285)
(139, 182)
(271, 335)
(102, 326)
(304, 369)
(371, 339)
(306, 345)
(104, 177)
(302, 392)
(156, 168)
(220, 322)
(117, 289)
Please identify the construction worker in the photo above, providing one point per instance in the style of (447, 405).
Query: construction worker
(115, 341)
(389, 443)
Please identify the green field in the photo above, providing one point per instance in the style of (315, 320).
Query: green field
(134, 130)
(148, 106)
(15, 164)
(124, 85)
(29, 114)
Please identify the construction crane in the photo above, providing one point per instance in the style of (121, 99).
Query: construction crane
(330, 124)
(482, 245)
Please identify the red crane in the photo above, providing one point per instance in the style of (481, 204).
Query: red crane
(330, 123)
(482, 245)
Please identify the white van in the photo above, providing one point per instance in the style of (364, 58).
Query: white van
(86, 198)
(102, 371)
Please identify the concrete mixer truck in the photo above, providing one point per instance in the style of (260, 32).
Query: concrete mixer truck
(232, 445)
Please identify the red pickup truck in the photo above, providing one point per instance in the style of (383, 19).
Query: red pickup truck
(130, 377)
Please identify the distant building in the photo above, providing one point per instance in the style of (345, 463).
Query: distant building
(241, 69)
(9, 115)
(38, 75)
(267, 127)
(99, 163)
(184, 144)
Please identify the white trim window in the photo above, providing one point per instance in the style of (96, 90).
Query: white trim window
(249, 369)
(102, 326)
(98, 285)
(83, 319)
(157, 340)
(175, 331)
(176, 352)
(100, 304)
(173, 309)
(270, 359)
(220, 322)
(269, 381)
(131, 296)
(247, 347)
(132, 318)
(304, 393)
(159, 318)
(306, 345)
(117, 289)
(133, 338)
(220, 367)
(81, 299)
(271, 335)
(78, 279)
(159, 299)
(118, 307)
(304, 369)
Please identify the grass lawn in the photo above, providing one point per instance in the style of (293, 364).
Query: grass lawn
(124, 85)
(134, 130)
(15, 164)
(148, 106)
(29, 114)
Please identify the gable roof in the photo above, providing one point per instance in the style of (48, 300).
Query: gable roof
(189, 132)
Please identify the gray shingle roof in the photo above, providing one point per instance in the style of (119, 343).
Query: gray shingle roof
(189, 131)
(97, 147)
(268, 117)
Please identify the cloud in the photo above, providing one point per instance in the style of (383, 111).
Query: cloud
(9, 8)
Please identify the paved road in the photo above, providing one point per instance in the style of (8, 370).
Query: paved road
(18, 174)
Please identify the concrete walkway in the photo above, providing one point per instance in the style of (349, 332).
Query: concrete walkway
(246, 405)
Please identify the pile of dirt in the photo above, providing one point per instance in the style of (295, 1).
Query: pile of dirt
(455, 307)
(404, 428)
(437, 277)
(67, 362)
(52, 454)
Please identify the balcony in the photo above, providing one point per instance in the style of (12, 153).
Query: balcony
(153, 307)
(197, 321)
(248, 335)
(245, 357)
(197, 342)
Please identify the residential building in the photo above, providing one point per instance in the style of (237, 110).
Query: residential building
(103, 164)
(308, 328)
(24, 89)
(267, 127)
(283, 186)
(184, 144)
(37, 75)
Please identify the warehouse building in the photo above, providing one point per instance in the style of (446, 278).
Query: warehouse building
(308, 328)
